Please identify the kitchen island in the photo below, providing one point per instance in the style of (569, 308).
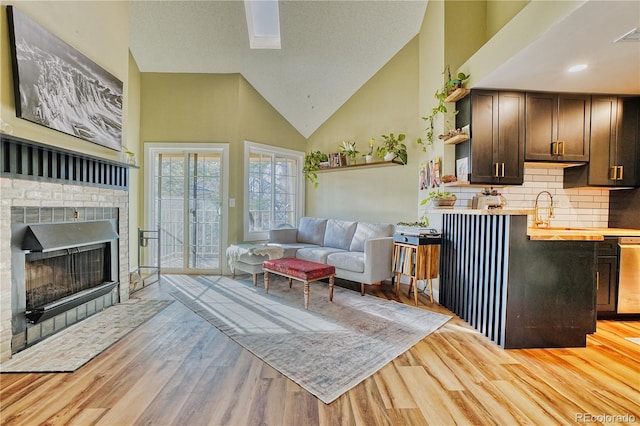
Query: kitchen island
(518, 291)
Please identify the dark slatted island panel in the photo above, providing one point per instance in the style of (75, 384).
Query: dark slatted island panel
(517, 292)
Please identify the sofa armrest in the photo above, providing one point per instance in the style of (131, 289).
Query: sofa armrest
(283, 236)
(378, 253)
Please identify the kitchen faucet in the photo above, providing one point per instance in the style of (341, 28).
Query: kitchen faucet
(538, 221)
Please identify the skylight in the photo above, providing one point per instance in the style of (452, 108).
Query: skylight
(263, 23)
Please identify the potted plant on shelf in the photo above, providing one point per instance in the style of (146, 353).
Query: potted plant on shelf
(312, 163)
(368, 158)
(393, 148)
(440, 198)
(454, 83)
(348, 148)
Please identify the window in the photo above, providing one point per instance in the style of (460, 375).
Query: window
(274, 189)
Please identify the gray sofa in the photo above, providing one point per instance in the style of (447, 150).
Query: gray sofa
(359, 251)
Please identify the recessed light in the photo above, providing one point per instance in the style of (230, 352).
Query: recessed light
(577, 68)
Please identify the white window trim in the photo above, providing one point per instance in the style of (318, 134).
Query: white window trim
(270, 149)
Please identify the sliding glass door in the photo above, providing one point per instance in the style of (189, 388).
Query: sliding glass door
(188, 201)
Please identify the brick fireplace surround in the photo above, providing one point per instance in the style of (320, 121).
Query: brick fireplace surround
(56, 200)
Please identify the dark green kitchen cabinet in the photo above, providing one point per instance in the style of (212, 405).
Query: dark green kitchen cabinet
(557, 127)
(495, 150)
(615, 145)
(607, 276)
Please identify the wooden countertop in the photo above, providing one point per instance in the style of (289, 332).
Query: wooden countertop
(584, 234)
(466, 210)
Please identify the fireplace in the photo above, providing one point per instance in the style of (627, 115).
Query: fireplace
(60, 268)
(78, 197)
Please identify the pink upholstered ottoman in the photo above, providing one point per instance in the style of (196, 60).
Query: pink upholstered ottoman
(301, 270)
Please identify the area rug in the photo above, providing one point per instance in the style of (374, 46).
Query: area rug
(635, 340)
(327, 349)
(78, 344)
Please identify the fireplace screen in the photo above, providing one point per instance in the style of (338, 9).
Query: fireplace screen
(55, 275)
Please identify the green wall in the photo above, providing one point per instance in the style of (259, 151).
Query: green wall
(387, 103)
(214, 108)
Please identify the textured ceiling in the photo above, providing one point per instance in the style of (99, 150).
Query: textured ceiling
(329, 48)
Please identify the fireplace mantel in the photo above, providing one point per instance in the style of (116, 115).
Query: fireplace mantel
(25, 159)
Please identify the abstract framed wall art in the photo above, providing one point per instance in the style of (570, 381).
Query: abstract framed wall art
(58, 87)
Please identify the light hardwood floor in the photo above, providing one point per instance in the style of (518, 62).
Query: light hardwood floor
(177, 369)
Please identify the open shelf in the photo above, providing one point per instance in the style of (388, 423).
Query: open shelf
(362, 166)
(457, 95)
(454, 140)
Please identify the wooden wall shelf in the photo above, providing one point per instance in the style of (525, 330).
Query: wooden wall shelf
(454, 140)
(457, 95)
(362, 166)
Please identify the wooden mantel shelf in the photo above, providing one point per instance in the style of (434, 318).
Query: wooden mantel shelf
(362, 166)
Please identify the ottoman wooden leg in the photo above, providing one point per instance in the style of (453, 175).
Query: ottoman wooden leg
(255, 279)
(306, 294)
(290, 282)
(266, 281)
(331, 282)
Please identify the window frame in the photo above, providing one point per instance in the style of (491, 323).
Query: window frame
(263, 149)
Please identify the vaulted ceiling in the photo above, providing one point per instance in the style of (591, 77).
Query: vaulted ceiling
(331, 48)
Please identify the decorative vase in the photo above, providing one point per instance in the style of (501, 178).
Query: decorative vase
(389, 156)
(368, 158)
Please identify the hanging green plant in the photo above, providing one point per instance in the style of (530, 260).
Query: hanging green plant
(312, 164)
(441, 108)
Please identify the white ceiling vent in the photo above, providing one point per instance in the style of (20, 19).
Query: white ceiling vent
(633, 35)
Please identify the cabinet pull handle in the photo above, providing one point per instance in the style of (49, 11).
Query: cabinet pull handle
(621, 168)
(597, 280)
(502, 174)
(614, 173)
(561, 145)
(496, 170)
(554, 148)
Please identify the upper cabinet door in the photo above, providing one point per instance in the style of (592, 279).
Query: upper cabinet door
(604, 112)
(510, 124)
(557, 127)
(627, 156)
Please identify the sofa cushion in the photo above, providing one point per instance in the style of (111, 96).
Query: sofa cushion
(348, 260)
(316, 254)
(311, 230)
(339, 233)
(367, 231)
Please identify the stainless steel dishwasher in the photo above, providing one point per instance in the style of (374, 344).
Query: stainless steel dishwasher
(629, 280)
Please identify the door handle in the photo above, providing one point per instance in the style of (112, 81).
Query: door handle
(495, 174)
(502, 174)
(614, 173)
(561, 148)
(597, 280)
(621, 168)
(554, 148)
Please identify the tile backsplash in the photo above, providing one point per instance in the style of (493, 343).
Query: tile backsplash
(573, 207)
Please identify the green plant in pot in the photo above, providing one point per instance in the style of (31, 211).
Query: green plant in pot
(348, 148)
(392, 148)
(440, 198)
(312, 163)
(454, 83)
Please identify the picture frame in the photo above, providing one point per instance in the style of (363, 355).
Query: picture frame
(58, 87)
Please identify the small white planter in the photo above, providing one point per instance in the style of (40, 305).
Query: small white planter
(389, 156)
(368, 158)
